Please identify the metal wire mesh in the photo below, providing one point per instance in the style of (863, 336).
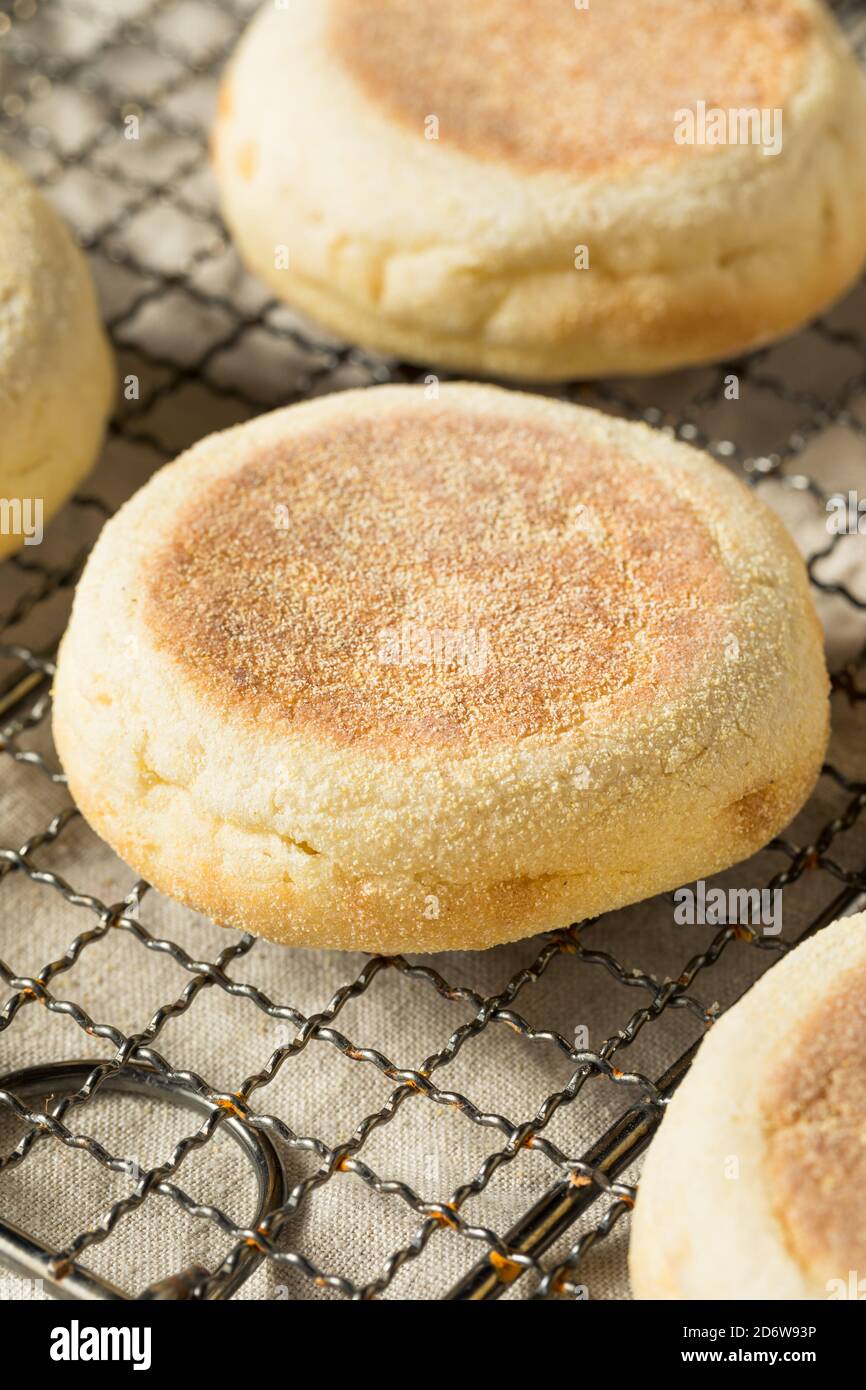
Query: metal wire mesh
(70, 74)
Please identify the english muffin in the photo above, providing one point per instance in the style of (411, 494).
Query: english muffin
(547, 190)
(751, 1188)
(406, 671)
(56, 373)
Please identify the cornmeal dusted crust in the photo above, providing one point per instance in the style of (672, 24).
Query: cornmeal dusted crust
(630, 691)
(764, 1142)
(555, 130)
(56, 372)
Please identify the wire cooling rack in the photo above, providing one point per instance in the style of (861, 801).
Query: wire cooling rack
(201, 346)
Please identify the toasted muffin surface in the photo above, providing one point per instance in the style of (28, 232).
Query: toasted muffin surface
(413, 673)
(545, 86)
(542, 191)
(746, 1191)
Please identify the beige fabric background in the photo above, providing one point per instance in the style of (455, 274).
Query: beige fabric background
(166, 328)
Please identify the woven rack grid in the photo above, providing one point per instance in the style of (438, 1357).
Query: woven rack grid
(92, 55)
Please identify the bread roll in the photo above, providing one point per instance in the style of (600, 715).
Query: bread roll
(544, 190)
(398, 672)
(751, 1188)
(56, 372)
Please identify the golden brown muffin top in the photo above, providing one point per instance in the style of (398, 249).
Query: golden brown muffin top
(540, 84)
(815, 1119)
(432, 575)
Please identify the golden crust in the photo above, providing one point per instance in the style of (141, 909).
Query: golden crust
(238, 879)
(531, 85)
(463, 250)
(763, 1142)
(438, 577)
(614, 325)
(56, 372)
(264, 766)
(814, 1114)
